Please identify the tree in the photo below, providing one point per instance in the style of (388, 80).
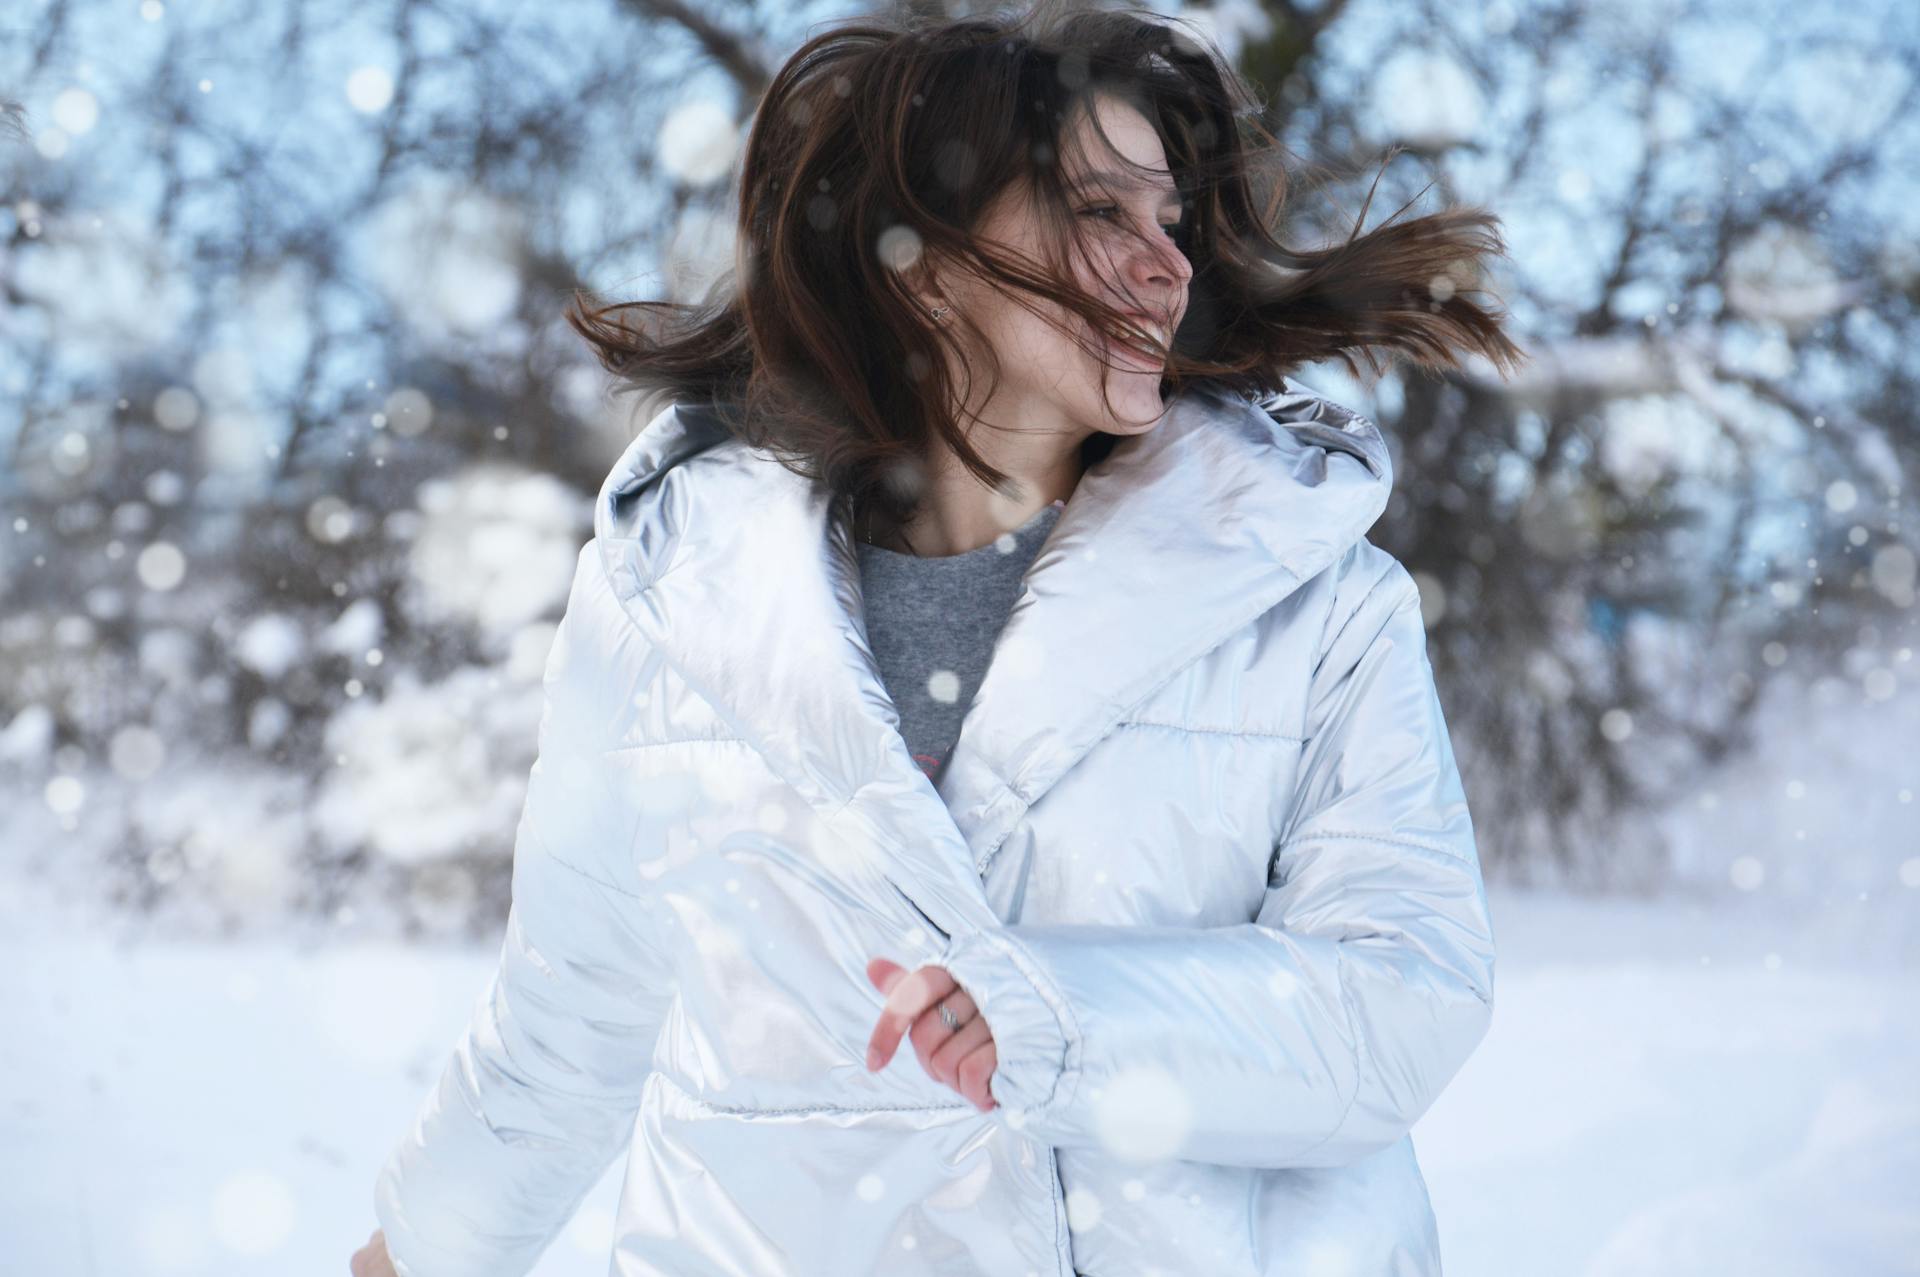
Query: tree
(283, 295)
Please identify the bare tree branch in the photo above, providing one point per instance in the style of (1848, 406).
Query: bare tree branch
(730, 49)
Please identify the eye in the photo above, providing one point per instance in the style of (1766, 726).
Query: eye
(1176, 231)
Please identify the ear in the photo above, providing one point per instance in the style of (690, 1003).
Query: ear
(926, 284)
(933, 280)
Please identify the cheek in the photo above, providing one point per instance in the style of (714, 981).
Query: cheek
(1038, 356)
(1032, 348)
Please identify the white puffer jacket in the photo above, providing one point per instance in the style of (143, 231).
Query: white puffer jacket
(1201, 856)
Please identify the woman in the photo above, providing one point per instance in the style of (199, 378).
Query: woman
(1186, 927)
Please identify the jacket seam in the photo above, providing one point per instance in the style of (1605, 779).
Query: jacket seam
(1452, 855)
(1217, 731)
(804, 1110)
(680, 740)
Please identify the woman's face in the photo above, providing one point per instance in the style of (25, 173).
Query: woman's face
(1051, 377)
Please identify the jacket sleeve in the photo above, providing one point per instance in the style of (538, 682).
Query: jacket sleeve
(543, 1086)
(1317, 1033)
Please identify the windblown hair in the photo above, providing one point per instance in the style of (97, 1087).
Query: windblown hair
(878, 144)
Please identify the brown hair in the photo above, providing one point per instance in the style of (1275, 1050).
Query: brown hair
(814, 348)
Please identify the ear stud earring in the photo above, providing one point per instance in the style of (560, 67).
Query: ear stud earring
(939, 313)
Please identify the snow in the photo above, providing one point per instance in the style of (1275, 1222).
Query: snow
(698, 142)
(496, 546)
(358, 629)
(1424, 97)
(445, 254)
(1664, 1091)
(432, 770)
(28, 735)
(270, 644)
(1668, 1087)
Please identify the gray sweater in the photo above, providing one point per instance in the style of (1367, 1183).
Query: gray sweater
(932, 623)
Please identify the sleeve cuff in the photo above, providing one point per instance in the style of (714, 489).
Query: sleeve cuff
(1036, 1042)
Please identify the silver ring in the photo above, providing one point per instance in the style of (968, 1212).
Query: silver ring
(939, 313)
(946, 1015)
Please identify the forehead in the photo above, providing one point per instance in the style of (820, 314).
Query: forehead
(1128, 156)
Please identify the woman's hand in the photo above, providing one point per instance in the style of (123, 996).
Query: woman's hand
(962, 1058)
(371, 1259)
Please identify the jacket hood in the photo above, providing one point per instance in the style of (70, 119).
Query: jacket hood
(728, 563)
(629, 502)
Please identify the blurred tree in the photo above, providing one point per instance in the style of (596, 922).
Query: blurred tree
(1696, 483)
(280, 303)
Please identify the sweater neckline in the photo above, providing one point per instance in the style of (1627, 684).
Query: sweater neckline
(1041, 516)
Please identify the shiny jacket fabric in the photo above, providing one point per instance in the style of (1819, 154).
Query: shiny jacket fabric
(1201, 856)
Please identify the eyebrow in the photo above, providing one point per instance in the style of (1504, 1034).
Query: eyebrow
(1167, 189)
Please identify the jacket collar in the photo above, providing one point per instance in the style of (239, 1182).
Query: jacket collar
(728, 563)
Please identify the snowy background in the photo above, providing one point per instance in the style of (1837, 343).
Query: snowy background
(297, 453)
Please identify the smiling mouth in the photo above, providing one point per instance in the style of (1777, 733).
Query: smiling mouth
(1132, 357)
(1137, 355)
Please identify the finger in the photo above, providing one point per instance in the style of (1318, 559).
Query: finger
(929, 1032)
(914, 995)
(884, 974)
(976, 1073)
(882, 971)
(910, 995)
(960, 1044)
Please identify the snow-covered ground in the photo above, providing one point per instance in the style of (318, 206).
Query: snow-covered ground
(1723, 1079)
(1669, 1087)
(1672, 1088)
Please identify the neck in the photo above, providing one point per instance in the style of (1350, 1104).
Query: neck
(956, 513)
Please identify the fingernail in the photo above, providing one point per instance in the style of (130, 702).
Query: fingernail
(873, 1060)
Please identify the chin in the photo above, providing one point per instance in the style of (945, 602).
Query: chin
(1137, 404)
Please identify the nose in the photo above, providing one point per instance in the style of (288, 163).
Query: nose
(1162, 270)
